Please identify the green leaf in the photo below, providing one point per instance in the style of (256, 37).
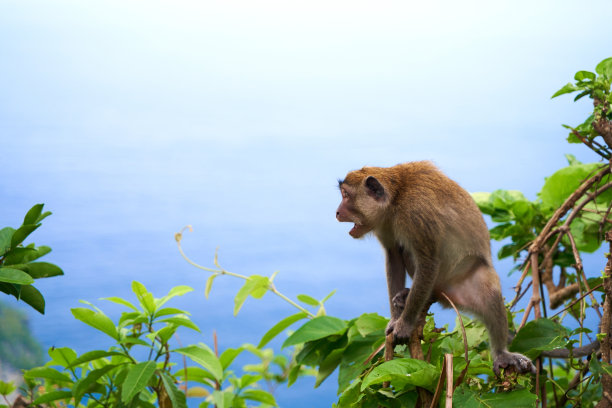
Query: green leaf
(196, 374)
(328, 296)
(259, 396)
(203, 355)
(370, 323)
(568, 88)
(6, 235)
(558, 187)
(572, 160)
(586, 234)
(16, 276)
(26, 254)
(309, 300)
(209, 283)
(228, 356)
(48, 373)
(539, 335)
(94, 355)
(33, 214)
(279, 327)
(165, 333)
(177, 397)
(181, 321)
(466, 398)
(582, 75)
(144, 297)
(256, 286)
(52, 396)
(223, 399)
(7, 388)
(582, 94)
(175, 291)
(170, 311)
(30, 295)
(136, 380)
(85, 384)
(96, 320)
(22, 233)
(39, 270)
(62, 356)
(121, 301)
(605, 68)
(315, 329)
(328, 365)
(403, 371)
(483, 200)
(523, 212)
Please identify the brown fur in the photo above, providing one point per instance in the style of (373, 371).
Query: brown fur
(432, 229)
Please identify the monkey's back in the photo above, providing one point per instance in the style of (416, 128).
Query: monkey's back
(437, 209)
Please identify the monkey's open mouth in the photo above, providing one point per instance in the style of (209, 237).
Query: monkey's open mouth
(358, 231)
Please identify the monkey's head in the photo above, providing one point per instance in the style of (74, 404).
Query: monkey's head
(364, 200)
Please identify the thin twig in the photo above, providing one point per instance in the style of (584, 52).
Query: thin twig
(604, 219)
(535, 301)
(593, 145)
(438, 391)
(555, 245)
(577, 300)
(517, 288)
(526, 314)
(465, 342)
(580, 271)
(517, 299)
(220, 271)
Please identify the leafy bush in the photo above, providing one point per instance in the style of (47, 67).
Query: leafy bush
(17, 267)
(140, 369)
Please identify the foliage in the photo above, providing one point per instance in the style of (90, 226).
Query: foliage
(139, 370)
(17, 267)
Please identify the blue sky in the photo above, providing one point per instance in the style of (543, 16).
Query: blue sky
(133, 119)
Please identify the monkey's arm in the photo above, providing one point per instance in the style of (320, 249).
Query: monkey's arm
(426, 271)
(396, 278)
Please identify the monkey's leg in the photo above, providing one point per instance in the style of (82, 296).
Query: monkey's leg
(488, 305)
(497, 325)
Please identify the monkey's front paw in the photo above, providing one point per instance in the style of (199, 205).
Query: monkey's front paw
(401, 331)
(513, 361)
(399, 300)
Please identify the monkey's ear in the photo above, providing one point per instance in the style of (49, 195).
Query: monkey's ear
(375, 189)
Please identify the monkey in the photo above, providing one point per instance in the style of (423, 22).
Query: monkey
(431, 229)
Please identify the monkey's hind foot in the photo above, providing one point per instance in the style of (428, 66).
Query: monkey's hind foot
(515, 362)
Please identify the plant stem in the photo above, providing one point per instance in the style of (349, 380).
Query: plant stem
(220, 271)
